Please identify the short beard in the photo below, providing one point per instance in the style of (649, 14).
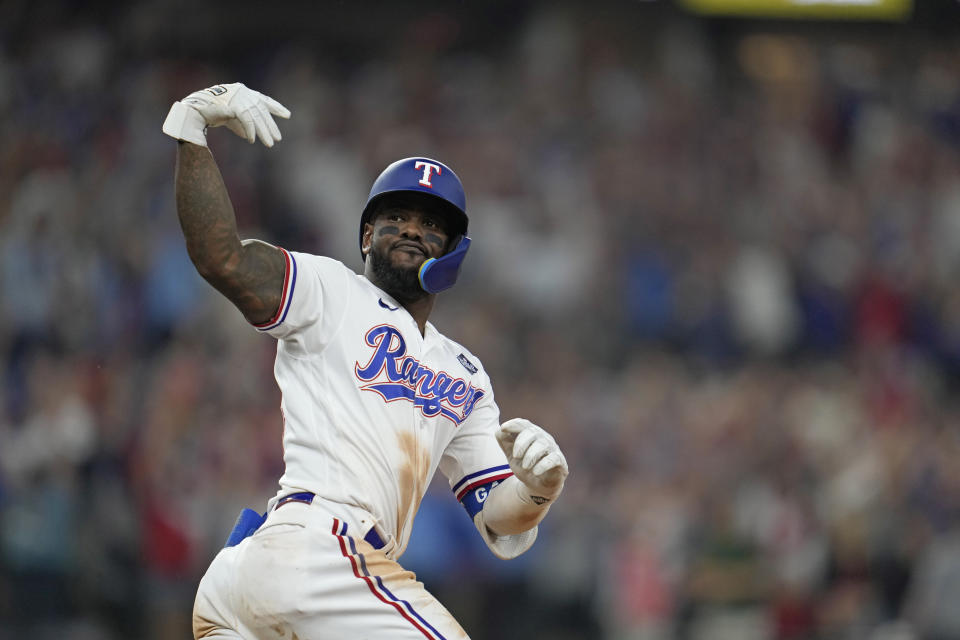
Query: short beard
(402, 284)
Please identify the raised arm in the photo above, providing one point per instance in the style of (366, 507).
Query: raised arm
(249, 273)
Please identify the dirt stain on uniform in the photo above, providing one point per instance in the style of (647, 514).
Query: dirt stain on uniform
(412, 474)
(378, 564)
(454, 626)
(528, 522)
(203, 628)
(402, 581)
(282, 631)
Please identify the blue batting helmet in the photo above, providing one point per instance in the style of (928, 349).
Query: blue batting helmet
(421, 176)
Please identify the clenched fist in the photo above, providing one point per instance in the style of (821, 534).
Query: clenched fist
(534, 457)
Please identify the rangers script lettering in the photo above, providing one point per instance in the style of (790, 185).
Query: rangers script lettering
(408, 379)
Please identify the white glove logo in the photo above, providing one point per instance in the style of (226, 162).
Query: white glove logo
(246, 112)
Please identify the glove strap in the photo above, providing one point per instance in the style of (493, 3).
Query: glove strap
(185, 123)
(531, 496)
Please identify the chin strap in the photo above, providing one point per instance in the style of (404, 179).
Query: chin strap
(437, 274)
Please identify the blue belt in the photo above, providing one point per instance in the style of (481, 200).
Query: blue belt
(305, 497)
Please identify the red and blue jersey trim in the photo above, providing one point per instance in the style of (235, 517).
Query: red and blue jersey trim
(289, 283)
(478, 479)
(358, 563)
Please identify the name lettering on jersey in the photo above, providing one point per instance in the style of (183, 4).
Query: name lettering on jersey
(428, 169)
(483, 492)
(434, 393)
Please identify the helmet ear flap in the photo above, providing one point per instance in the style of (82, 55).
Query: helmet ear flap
(454, 242)
(439, 274)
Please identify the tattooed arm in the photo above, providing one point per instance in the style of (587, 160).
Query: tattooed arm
(249, 273)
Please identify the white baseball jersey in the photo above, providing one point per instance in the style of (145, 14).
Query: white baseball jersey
(371, 407)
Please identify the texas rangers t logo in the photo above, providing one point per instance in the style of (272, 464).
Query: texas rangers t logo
(428, 169)
(433, 392)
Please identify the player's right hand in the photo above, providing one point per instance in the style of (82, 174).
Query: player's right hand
(246, 112)
(534, 457)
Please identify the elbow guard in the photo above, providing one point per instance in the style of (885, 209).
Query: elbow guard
(504, 547)
(507, 522)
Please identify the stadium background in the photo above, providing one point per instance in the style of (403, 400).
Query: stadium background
(716, 256)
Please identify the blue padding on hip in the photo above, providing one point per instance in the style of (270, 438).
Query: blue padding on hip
(437, 274)
(247, 523)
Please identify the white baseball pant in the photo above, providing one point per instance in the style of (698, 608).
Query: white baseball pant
(305, 576)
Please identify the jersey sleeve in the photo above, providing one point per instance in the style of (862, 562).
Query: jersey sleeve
(473, 461)
(315, 292)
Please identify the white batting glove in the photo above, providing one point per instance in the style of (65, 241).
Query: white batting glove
(246, 112)
(534, 458)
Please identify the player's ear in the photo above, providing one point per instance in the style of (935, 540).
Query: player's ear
(367, 238)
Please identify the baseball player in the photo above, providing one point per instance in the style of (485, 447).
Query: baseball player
(375, 400)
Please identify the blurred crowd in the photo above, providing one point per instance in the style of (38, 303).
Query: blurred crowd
(716, 261)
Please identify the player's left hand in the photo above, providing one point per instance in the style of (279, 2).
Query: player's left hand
(534, 457)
